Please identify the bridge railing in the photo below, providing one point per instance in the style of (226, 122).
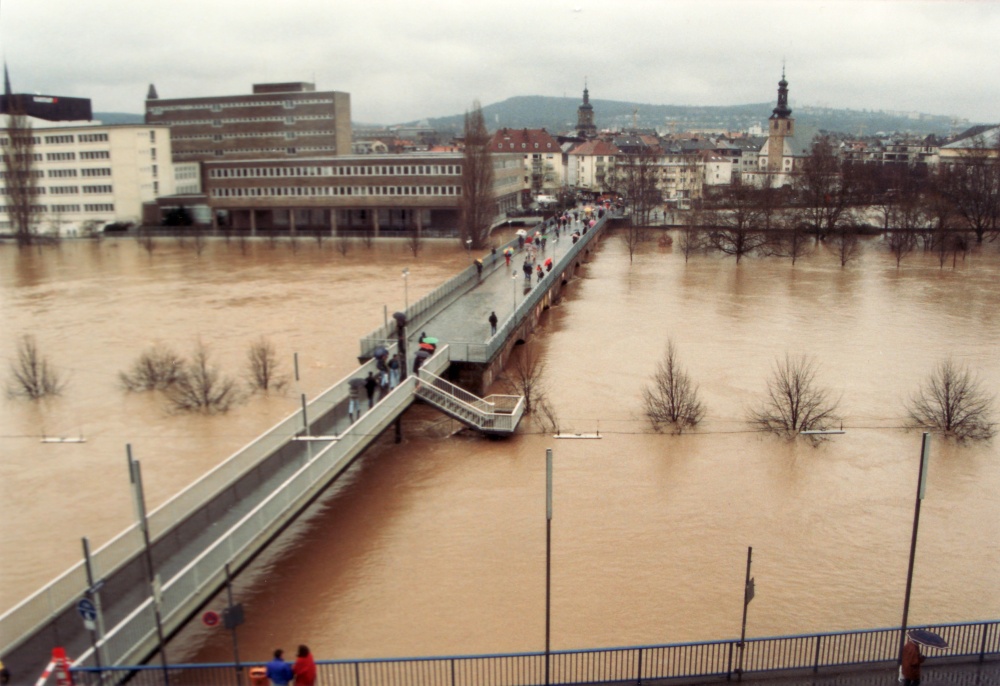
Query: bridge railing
(810, 652)
(205, 573)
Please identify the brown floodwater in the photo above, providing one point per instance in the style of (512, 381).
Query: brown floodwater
(437, 546)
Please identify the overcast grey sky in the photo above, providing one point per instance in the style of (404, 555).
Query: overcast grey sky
(402, 60)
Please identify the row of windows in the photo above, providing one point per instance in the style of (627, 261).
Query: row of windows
(353, 170)
(267, 151)
(62, 173)
(524, 146)
(265, 134)
(244, 120)
(218, 107)
(95, 155)
(63, 139)
(99, 171)
(336, 190)
(37, 173)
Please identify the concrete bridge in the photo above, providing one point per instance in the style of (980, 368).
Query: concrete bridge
(147, 583)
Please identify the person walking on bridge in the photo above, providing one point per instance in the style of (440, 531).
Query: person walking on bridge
(910, 667)
(370, 384)
(527, 272)
(493, 323)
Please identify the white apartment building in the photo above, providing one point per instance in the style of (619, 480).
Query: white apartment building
(90, 174)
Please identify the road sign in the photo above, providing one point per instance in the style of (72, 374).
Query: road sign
(211, 618)
(88, 611)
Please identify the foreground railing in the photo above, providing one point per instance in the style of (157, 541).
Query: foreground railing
(813, 652)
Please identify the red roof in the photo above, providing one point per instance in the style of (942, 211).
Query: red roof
(597, 147)
(523, 140)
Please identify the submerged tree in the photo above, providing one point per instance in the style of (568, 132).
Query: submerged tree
(794, 402)
(202, 387)
(31, 375)
(156, 369)
(738, 230)
(953, 402)
(672, 399)
(477, 203)
(263, 367)
(525, 375)
(20, 175)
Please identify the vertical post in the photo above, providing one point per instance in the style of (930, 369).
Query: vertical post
(513, 280)
(925, 452)
(747, 597)
(548, 559)
(236, 643)
(135, 475)
(97, 630)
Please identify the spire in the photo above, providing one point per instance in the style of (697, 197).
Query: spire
(151, 94)
(7, 91)
(782, 111)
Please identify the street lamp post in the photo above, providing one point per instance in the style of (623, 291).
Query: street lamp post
(406, 289)
(468, 247)
(513, 281)
(925, 453)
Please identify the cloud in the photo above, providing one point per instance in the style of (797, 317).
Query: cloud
(402, 60)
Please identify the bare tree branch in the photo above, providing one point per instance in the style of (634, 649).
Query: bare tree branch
(671, 398)
(31, 376)
(155, 370)
(953, 402)
(794, 402)
(202, 387)
(263, 367)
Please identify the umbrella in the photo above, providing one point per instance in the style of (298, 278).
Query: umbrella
(508, 251)
(428, 347)
(356, 383)
(926, 638)
(431, 340)
(422, 355)
(381, 351)
(521, 232)
(548, 262)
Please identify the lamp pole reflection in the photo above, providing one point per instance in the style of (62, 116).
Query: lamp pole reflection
(406, 289)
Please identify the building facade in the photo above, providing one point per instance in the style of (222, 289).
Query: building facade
(278, 120)
(378, 195)
(543, 167)
(89, 175)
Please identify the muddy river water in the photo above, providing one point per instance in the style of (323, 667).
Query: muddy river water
(437, 546)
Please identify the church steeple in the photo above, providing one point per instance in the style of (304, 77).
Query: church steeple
(585, 127)
(782, 111)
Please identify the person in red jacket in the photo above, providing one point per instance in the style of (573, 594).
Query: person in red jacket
(911, 664)
(304, 668)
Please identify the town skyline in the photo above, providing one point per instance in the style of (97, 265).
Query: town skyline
(400, 65)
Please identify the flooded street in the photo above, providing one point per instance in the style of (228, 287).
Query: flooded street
(437, 546)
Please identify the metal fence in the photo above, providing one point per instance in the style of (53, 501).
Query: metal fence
(811, 652)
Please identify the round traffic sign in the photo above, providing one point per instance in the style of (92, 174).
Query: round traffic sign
(211, 618)
(87, 609)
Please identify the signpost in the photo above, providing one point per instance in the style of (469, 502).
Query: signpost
(748, 593)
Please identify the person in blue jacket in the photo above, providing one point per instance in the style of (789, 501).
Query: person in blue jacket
(279, 671)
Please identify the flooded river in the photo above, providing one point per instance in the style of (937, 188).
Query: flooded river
(437, 546)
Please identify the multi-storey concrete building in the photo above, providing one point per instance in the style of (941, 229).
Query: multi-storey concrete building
(278, 120)
(371, 194)
(89, 174)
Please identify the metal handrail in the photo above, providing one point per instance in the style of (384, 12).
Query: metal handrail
(974, 641)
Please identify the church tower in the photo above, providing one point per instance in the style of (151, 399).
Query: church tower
(585, 127)
(781, 126)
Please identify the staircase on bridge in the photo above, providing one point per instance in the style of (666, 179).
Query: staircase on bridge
(494, 415)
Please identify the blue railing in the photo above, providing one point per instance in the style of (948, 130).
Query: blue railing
(972, 641)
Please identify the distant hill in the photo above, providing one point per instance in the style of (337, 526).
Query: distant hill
(119, 118)
(559, 114)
